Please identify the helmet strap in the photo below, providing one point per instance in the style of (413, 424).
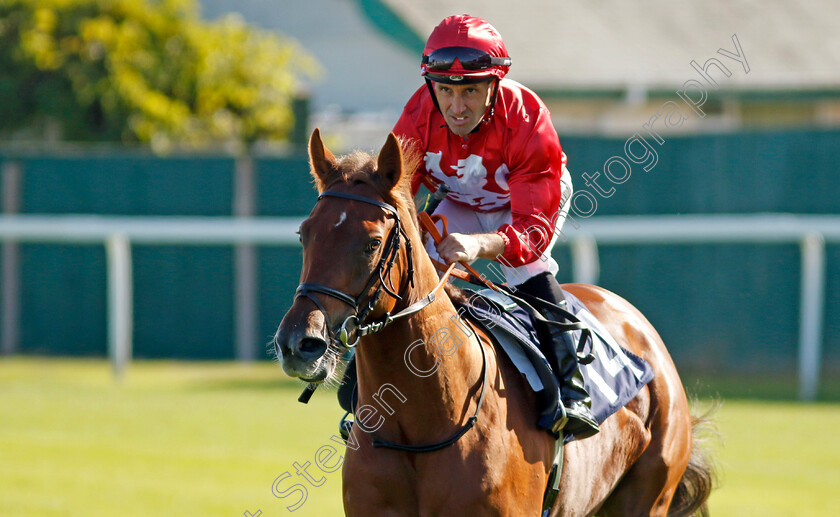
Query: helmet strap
(430, 85)
(488, 115)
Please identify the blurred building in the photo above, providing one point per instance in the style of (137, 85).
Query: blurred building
(603, 67)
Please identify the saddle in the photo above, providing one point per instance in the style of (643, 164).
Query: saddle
(612, 374)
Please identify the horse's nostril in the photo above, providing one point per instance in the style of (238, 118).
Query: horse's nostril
(311, 348)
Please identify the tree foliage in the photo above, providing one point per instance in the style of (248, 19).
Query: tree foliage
(144, 70)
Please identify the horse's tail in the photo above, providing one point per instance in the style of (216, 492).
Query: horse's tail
(699, 477)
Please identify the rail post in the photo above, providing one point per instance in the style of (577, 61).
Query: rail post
(812, 308)
(586, 266)
(120, 302)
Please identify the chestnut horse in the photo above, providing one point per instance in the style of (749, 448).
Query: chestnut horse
(426, 377)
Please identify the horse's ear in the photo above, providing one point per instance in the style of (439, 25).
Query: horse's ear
(389, 165)
(322, 162)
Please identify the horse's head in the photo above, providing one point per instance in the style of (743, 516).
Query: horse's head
(355, 257)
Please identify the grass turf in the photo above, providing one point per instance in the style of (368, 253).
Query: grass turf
(208, 439)
(186, 439)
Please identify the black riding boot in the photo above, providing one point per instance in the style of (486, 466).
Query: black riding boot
(560, 348)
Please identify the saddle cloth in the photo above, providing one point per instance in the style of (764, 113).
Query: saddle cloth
(614, 377)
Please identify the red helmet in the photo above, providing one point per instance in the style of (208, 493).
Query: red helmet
(464, 49)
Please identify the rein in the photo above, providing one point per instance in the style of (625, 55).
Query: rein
(427, 222)
(382, 271)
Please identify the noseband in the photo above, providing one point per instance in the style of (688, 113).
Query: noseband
(382, 271)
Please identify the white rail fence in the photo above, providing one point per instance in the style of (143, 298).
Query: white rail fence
(119, 234)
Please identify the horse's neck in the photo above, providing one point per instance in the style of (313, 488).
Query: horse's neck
(421, 370)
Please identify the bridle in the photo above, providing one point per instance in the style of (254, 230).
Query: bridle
(356, 321)
(383, 271)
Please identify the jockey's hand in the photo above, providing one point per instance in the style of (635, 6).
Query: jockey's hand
(462, 247)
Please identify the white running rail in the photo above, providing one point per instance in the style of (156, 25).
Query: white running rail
(118, 234)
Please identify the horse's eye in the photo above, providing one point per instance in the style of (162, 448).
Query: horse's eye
(373, 245)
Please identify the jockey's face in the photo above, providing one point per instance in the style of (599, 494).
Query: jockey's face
(463, 105)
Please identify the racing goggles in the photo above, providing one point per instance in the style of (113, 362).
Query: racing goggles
(470, 59)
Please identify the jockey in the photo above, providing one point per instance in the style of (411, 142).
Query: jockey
(492, 142)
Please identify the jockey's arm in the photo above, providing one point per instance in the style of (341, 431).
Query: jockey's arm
(462, 247)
